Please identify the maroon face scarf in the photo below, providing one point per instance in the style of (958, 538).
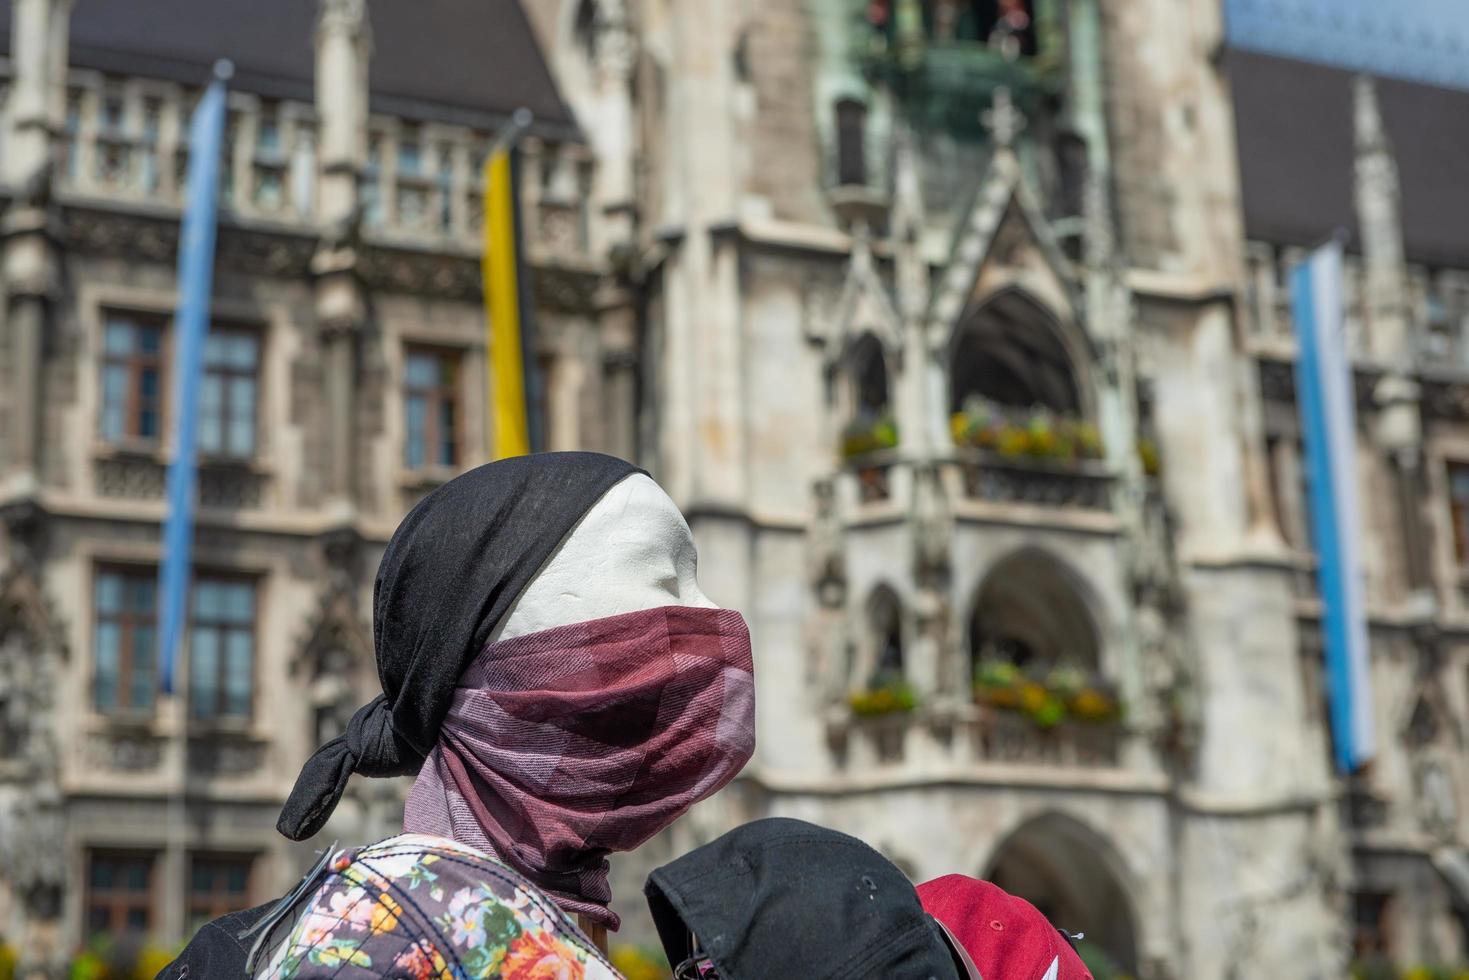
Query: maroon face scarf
(563, 745)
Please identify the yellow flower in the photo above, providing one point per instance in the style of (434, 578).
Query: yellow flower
(1032, 696)
(385, 914)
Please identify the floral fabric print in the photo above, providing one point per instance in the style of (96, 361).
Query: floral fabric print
(428, 908)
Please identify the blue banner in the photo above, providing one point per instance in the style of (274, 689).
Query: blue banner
(191, 328)
(1325, 396)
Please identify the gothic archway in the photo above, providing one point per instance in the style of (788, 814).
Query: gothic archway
(1009, 352)
(1030, 611)
(1073, 876)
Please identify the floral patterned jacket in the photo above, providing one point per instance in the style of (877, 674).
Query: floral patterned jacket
(417, 907)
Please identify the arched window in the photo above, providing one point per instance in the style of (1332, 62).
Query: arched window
(1028, 613)
(1007, 353)
(885, 632)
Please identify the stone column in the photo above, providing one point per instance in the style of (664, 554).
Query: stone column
(38, 45)
(30, 261)
(343, 49)
(343, 44)
(1399, 424)
(614, 126)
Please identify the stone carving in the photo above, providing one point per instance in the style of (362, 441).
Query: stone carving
(829, 636)
(32, 823)
(560, 228)
(1438, 810)
(231, 488)
(125, 751)
(132, 236)
(225, 756)
(1446, 400)
(824, 546)
(129, 478)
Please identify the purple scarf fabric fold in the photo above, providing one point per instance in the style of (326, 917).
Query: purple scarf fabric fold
(565, 745)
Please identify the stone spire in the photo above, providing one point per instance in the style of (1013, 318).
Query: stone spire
(915, 397)
(1377, 193)
(1399, 427)
(39, 30)
(343, 50)
(1003, 119)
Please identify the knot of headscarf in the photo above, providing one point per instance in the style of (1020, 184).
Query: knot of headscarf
(449, 576)
(369, 746)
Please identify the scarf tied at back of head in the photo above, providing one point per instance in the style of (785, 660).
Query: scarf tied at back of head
(547, 749)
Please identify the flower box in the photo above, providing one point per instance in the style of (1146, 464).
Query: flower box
(1065, 694)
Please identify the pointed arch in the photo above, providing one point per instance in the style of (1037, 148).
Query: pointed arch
(1010, 351)
(1076, 878)
(1032, 610)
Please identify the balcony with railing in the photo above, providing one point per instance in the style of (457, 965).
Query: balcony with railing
(1036, 697)
(1437, 309)
(125, 143)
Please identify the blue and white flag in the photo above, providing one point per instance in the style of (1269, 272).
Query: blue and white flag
(191, 328)
(1325, 395)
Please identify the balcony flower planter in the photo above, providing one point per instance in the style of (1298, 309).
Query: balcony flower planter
(865, 436)
(1034, 434)
(1063, 695)
(891, 698)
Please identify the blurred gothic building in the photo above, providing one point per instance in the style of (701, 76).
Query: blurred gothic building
(957, 328)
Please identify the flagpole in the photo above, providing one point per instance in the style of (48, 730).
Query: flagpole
(510, 133)
(191, 326)
(506, 415)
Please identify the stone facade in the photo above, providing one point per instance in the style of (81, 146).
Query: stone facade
(949, 337)
(348, 242)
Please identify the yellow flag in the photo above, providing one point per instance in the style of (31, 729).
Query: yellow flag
(510, 431)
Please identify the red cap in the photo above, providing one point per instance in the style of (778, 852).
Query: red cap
(1007, 937)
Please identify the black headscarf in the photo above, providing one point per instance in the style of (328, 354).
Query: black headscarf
(448, 578)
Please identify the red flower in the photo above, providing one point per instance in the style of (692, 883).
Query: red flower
(539, 956)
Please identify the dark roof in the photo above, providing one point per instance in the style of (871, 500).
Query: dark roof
(469, 61)
(1293, 123)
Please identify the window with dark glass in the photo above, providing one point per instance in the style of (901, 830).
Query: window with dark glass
(222, 648)
(851, 120)
(227, 395)
(430, 408)
(218, 884)
(885, 615)
(119, 893)
(1459, 509)
(126, 643)
(1371, 925)
(132, 378)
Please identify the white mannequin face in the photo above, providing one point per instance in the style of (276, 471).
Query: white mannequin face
(631, 551)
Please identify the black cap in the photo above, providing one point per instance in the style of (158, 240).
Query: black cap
(785, 898)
